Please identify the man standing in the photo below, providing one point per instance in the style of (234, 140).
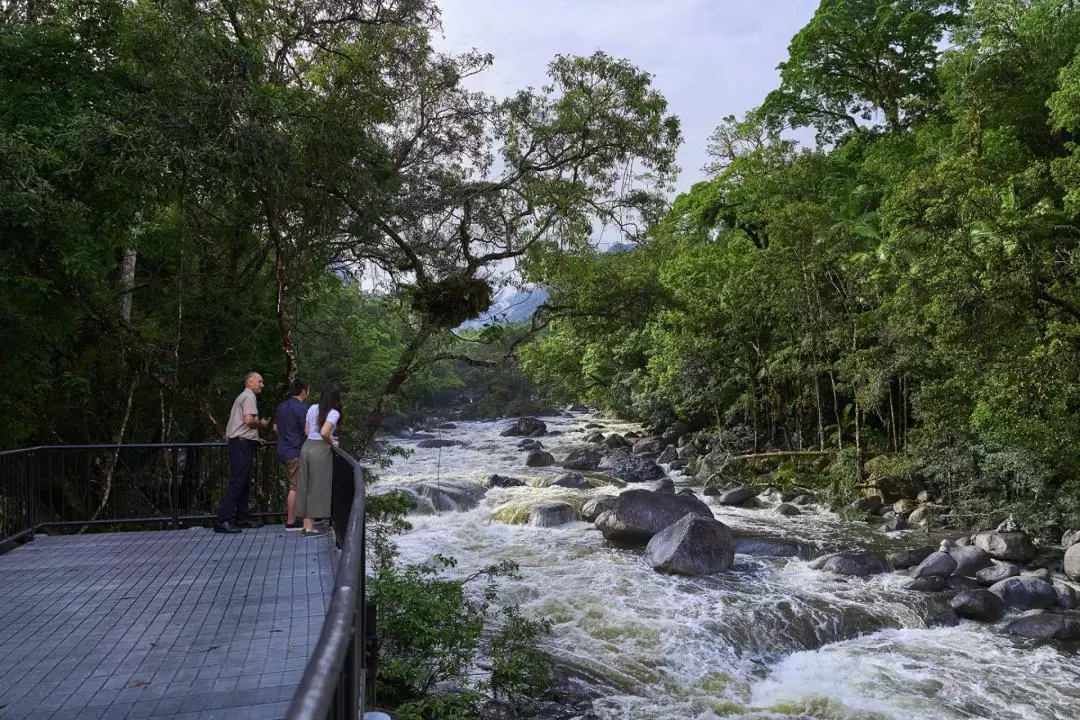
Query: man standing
(289, 428)
(242, 433)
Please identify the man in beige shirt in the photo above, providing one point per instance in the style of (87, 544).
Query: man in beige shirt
(242, 435)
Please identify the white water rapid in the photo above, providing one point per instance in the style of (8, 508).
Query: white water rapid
(769, 639)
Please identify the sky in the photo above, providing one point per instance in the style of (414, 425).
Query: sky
(709, 58)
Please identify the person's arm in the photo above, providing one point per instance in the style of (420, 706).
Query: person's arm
(253, 421)
(327, 431)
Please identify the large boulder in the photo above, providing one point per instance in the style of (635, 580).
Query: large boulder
(1025, 593)
(787, 509)
(981, 605)
(1067, 598)
(930, 583)
(970, 560)
(503, 481)
(937, 564)
(574, 481)
(639, 514)
(855, 563)
(666, 485)
(539, 458)
(669, 455)
(525, 427)
(766, 546)
(615, 440)
(438, 443)
(867, 504)
(441, 496)
(736, 496)
(1015, 545)
(582, 459)
(1072, 561)
(694, 545)
(551, 515)
(630, 468)
(996, 573)
(895, 524)
(596, 437)
(597, 505)
(1070, 538)
(904, 559)
(1046, 626)
(648, 446)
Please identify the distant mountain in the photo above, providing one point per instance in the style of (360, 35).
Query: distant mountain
(511, 306)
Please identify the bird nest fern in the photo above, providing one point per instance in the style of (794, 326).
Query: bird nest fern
(451, 301)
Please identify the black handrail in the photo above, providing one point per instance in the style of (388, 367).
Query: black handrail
(334, 681)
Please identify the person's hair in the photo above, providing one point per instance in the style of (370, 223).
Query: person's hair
(248, 375)
(299, 385)
(331, 400)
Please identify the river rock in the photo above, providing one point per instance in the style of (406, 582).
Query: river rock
(438, 443)
(1070, 538)
(688, 452)
(787, 496)
(787, 509)
(525, 427)
(1006, 545)
(1072, 561)
(444, 496)
(530, 445)
(930, 583)
(676, 465)
(639, 514)
(648, 446)
(1041, 573)
(573, 481)
(981, 605)
(694, 545)
(1046, 626)
(595, 438)
(1025, 593)
(970, 560)
(601, 503)
(669, 455)
(903, 507)
(1067, 598)
(665, 485)
(615, 440)
(996, 573)
(895, 524)
(904, 559)
(582, 459)
(736, 496)
(503, 481)
(960, 582)
(551, 515)
(803, 499)
(937, 564)
(539, 458)
(867, 504)
(853, 563)
(630, 468)
(767, 546)
(592, 425)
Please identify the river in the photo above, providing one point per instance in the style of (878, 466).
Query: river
(771, 638)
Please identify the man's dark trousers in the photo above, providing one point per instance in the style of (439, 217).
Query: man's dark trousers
(234, 504)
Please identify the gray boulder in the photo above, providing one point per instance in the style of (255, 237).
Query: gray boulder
(1046, 626)
(931, 583)
(504, 482)
(595, 437)
(766, 546)
(867, 504)
(639, 514)
(694, 545)
(1067, 598)
(573, 481)
(438, 443)
(1071, 563)
(597, 505)
(981, 605)
(1006, 545)
(551, 515)
(996, 573)
(787, 509)
(937, 564)
(736, 496)
(1070, 538)
(1041, 573)
(959, 582)
(443, 496)
(664, 485)
(525, 427)
(648, 446)
(895, 524)
(630, 468)
(970, 560)
(1025, 593)
(669, 455)
(855, 563)
(539, 458)
(615, 440)
(904, 559)
(802, 499)
(582, 459)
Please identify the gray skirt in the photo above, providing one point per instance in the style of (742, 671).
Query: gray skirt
(313, 488)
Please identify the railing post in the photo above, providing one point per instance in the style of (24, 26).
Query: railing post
(31, 519)
(174, 488)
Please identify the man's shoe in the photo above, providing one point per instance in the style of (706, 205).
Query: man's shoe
(317, 532)
(249, 523)
(226, 528)
(294, 526)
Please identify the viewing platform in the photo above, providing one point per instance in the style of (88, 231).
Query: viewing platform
(160, 624)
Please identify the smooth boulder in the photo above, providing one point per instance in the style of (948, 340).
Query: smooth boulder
(551, 515)
(539, 458)
(981, 605)
(787, 510)
(502, 481)
(639, 514)
(438, 443)
(1071, 562)
(525, 427)
(854, 563)
(932, 583)
(1046, 626)
(573, 481)
(582, 459)
(648, 446)
(1016, 545)
(937, 564)
(597, 505)
(904, 559)
(970, 560)
(736, 496)
(694, 545)
(669, 455)
(1025, 593)
(996, 573)
(631, 468)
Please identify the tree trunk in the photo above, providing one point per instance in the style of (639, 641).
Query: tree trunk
(820, 411)
(836, 413)
(406, 365)
(127, 282)
(283, 289)
(110, 465)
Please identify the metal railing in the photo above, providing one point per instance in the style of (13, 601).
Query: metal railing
(74, 487)
(335, 680)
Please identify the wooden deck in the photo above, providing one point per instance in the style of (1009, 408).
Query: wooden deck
(170, 624)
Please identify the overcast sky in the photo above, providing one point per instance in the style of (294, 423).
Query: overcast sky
(710, 58)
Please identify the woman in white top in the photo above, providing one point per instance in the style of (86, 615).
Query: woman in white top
(317, 461)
